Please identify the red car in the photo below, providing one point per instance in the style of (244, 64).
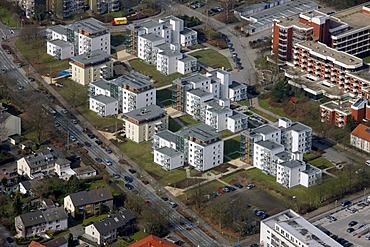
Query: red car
(145, 182)
(220, 190)
(148, 203)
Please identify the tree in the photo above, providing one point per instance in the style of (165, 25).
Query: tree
(153, 223)
(106, 179)
(73, 184)
(351, 124)
(280, 91)
(17, 204)
(4, 181)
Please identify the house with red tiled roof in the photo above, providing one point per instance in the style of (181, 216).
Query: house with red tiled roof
(360, 137)
(153, 241)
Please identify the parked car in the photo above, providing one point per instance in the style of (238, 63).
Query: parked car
(164, 198)
(148, 203)
(145, 182)
(74, 121)
(31, 79)
(97, 159)
(352, 223)
(350, 230)
(80, 144)
(109, 151)
(132, 171)
(173, 205)
(238, 185)
(56, 124)
(91, 135)
(346, 203)
(73, 138)
(108, 162)
(129, 186)
(128, 179)
(367, 162)
(250, 186)
(87, 144)
(99, 142)
(116, 176)
(64, 111)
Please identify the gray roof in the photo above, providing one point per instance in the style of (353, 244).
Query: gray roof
(104, 99)
(41, 216)
(83, 169)
(57, 242)
(60, 43)
(135, 80)
(310, 169)
(58, 29)
(236, 85)
(292, 163)
(199, 131)
(114, 221)
(170, 152)
(149, 24)
(167, 135)
(146, 114)
(237, 115)
(167, 51)
(40, 159)
(4, 115)
(91, 58)
(199, 92)
(265, 129)
(187, 58)
(62, 161)
(283, 155)
(215, 107)
(89, 25)
(103, 84)
(96, 195)
(196, 78)
(26, 184)
(269, 145)
(151, 37)
(187, 31)
(298, 127)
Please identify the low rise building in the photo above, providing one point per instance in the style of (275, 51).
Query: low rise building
(91, 66)
(60, 49)
(85, 172)
(56, 242)
(141, 124)
(103, 105)
(360, 138)
(88, 202)
(107, 230)
(9, 124)
(38, 222)
(290, 229)
(168, 158)
(153, 241)
(201, 146)
(9, 178)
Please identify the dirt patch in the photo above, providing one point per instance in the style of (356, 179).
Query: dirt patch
(188, 182)
(224, 167)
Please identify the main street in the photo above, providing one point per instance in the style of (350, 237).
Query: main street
(147, 192)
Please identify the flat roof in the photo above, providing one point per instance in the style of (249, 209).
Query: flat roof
(103, 84)
(293, 224)
(146, 114)
(104, 99)
(337, 57)
(335, 105)
(169, 151)
(266, 129)
(61, 43)
(135, 80)
(238, 115)
(199, 131)
(151, 36)
(236, 85)
(195, 78)
(310, 169)
(354, 18)
(187, 58)
(167, 135)
(150, 24)
(291, 163)
(297, 126)
(269, 145)
(284, 155)
(58, 29)
(89, 25)
(292, 21)
(215, 107)
(92, 57)
(199, 92)
(187, 31)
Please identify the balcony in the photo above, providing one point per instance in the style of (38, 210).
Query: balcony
(355, 84)
(317, 66)
(327, 70)
(317, 72)
(309, 63)
(341, 76)
(333, 79)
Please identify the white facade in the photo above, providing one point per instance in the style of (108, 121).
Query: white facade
(263, 153)
(188, 37)
(290, 229)
(187, 64)
(296, 137)
(60, 49)
(288, 173)
(9, 124)
(103, 105)
(101, 239)
(310, 176)
(194, 99)
(205, 157)
(168, 158)
(92, 43)
(132, 100)
(360, 138)
(237, 122)
(146, 46)
(167, 62)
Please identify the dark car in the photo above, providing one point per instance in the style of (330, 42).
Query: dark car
(128, 179)
(109, 151)
(264, 216)
(99, 142)
(116, 176)
(145, 182)
(91, 135)
(148, 203)
(31, 79)
(98, 159)
(9, 240)
(164, 198)
(129, 186)
(352, 223)
(238, 185)
(350, 230)
(346, 203)
(80, 144)
(132, 171)
(56, 124)
(87, 144)
(253, 245)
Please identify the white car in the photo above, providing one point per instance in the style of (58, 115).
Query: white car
(108, 162)
(367, 162)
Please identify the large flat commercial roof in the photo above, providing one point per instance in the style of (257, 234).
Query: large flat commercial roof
(338, 57)
(354, 18)
(89, 25)
(146, 114)
(292, 223)
(339, 106)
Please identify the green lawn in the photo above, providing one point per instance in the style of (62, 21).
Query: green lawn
(35, 52)
(226, 133)
(7, 18)
(264, 115)
(188, 120)
(309, 156)
(197, 46)
(164, 97)
(230, 177)
(150, 70)
(142, 155)
(94, 218)
(211, 58)
(321, 163)
(102, 183)
(232, 148)
(173, 125)
(366, 59)
(245, 103)
(210, 186)
(117, 39)
(76, 94)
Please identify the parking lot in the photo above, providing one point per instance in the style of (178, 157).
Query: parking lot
(339, 226)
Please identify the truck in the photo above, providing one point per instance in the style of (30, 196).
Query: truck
(119, 21)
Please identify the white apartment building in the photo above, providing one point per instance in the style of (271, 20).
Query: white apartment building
(43, 164)
(141, 124)
(168, 158)
(200, 144)
(237, 122)
(194, 100)
(60, 49)
(103, 105)
(290, 229)
(179, 34)
(264, 151)
(132, 91)
(91, 66)
(28, 6)
(86, 36)
(360, 138)
(146, 45)
(296, 137)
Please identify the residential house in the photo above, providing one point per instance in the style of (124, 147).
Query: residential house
(107, 230)
(9, 124)
(141, 124)
(85, 172)
(56, 242)
(88, 202)
(103, 105)
(9, 177)
(153, 241)
(360, 138)
(37, 222)
(288, 228)
(91, 66)
(60, 49)
(168, 158)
